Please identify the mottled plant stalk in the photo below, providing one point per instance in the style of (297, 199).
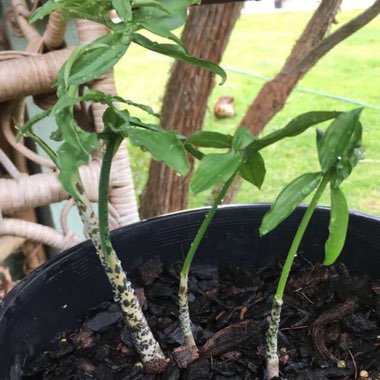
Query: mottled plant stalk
(184, 314)
(145, 344)
(272, 333)
(98, 229)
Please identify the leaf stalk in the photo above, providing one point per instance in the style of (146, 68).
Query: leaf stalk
(145, 343)
(184, 314)
(272, 334)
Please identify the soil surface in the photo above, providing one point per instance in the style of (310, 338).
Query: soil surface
(330, 327)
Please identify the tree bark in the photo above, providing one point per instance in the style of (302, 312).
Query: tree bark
(206, 35)
(273, 95)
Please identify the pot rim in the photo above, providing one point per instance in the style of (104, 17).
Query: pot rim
(27, 281)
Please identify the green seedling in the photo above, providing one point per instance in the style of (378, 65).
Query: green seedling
(85, 64)
(339, 151)
(242, 158)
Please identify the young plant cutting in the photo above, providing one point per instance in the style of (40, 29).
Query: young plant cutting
(86, 64)
(339, 150)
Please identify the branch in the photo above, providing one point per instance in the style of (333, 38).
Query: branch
(339, 35)
(313, 33)
(273, 95)
(308, 50)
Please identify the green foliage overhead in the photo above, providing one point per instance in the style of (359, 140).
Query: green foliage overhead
(95, 10)
(88, 62)
(161, 17)
(178, 52)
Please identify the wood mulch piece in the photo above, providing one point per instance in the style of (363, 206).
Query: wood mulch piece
(330, 327)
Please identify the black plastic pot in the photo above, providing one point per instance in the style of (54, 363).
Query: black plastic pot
(54, 297)
(219, 1)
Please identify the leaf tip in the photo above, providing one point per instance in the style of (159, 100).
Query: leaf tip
(262, 231)
(223, 77)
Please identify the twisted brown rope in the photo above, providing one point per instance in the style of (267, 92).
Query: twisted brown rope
(30, 75)
(53, 37)
(33, 73)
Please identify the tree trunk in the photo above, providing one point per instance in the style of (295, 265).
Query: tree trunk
(206, 35)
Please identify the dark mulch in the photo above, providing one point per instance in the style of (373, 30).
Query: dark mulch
(330, 327)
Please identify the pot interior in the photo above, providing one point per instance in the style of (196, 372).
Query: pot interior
(54, 297)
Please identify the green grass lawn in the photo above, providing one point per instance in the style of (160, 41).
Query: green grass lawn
(259, 44)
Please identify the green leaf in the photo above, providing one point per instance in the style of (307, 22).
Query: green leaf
(95, 10)
(296, 126)
(163, 146)
(161, 17)
(114, 120)
(318, 137)
(74, 152)
(352, 154)
(166, 17)
(42, 144)
(215, 168)
(136, 122)
(123, 9)
(100, 97)
(289, 198)
(242, 138)
(143, 107)
(94, 60)
(64, 102)
(210, 139)
(334, 142)
(150, 3)
(338, 226)
(28, 125)
(253, 169)
(179, 53)
(46, 9)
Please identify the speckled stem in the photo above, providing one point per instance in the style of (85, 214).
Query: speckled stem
(271, 340)
(184, 315)
(272, 334)
(145, 343)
